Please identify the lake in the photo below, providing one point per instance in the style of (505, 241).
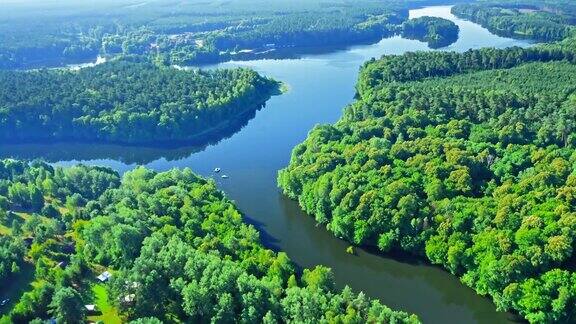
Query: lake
(320, 86)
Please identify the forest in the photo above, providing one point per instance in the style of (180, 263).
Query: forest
(185, 32)
(518, 22)
(175, 248)
(564, 8)
(416, 66)
(466, 159)
(189, 32)
(253, 36)
(437, 32)
(126, 102)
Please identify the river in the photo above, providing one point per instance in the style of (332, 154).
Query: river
(320, 86)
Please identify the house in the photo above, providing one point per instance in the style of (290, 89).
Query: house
(91, 309)
(104, 276)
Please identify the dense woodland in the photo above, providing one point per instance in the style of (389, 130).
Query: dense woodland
(185, 32)
(255, 36)
(415, 66)
(126, 102)
(437, 32)
(518, 22)
(177, 250)
(189, 32)
(466, 159)
(564, 8)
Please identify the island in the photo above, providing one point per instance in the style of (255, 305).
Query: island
(437, 32)
(85, 244)
(127, 102)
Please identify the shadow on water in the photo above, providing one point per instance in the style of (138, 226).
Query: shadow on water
(299, 52)
(420, 261)
(400, 280)
(268, 240)
(128, 154)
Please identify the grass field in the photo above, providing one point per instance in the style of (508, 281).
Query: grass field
(109, 314)
(4, 230)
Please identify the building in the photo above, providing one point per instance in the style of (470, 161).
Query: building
(104, 276)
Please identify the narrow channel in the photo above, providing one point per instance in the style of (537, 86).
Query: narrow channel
(320, 86)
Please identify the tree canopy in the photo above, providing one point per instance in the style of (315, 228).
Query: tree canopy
(188, 32)
(177, 248)
(532, 22)
(466, 159)
(437, 32)
(126, 102)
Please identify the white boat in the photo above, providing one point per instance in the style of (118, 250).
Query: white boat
(217, 170)
(224, 176)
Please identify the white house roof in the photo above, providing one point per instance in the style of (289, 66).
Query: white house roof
(104, 276)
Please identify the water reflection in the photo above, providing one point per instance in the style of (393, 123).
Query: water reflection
(131, 155)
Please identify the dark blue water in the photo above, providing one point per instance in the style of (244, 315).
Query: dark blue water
(320, 87)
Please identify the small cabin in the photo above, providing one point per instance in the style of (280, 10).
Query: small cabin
(104, 276)
(90, 308)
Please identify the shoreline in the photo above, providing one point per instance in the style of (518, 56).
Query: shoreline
(195, 139)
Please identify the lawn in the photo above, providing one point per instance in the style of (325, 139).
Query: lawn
(7, 222)
(109, 313)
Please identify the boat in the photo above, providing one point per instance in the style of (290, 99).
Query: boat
(217, 170)
(224, 176)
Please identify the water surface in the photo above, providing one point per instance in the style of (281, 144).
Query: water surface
(320, 87)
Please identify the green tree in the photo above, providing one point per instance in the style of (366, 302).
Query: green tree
(67, 306)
